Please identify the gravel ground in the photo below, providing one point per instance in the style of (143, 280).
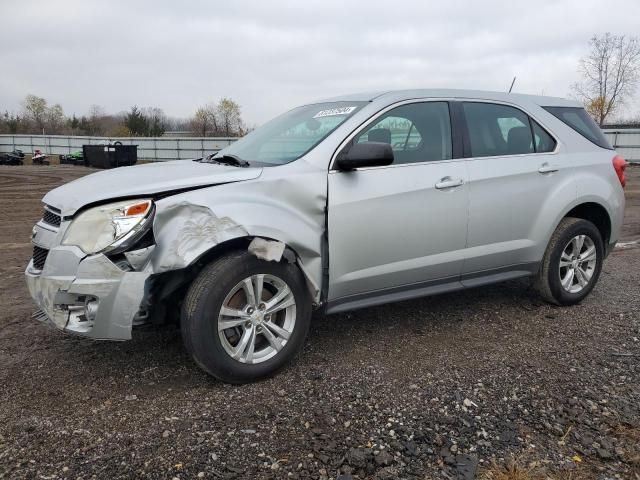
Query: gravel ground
(453, 386)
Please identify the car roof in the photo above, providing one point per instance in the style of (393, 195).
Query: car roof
(389, 97)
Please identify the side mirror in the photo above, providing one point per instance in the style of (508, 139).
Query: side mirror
(367, 154)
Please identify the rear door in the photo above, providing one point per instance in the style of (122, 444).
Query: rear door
(513, 168)
(403, 225)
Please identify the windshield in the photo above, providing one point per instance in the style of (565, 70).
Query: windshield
(291, 135)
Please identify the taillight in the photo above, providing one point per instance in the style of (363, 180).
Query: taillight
(619, 165)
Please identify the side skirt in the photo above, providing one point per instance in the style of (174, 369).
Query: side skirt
(434, 287)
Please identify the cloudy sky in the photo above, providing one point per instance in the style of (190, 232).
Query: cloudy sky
(272, 55)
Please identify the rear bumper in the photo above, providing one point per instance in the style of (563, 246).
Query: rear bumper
(87, 295)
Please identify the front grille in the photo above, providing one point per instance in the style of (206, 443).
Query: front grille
(39, 257)
(51, 218)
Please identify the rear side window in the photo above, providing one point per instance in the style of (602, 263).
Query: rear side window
(497, 130)
(578, 119)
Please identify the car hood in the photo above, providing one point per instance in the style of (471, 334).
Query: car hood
(143, 180)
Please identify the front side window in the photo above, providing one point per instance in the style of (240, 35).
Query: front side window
(291, 135)
(417, 132)
(497, 130)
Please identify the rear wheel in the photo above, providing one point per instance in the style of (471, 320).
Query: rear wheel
(572, 262)
(245, 318)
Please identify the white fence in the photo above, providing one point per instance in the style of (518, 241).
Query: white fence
(626, 141)
(155, 149)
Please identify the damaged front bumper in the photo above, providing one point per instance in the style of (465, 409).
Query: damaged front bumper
(87, 295)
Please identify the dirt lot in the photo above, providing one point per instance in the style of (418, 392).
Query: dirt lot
(447, 387)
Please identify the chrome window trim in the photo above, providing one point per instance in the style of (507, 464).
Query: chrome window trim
(523, 110)
(372, 119)
(400, 165)
(400, 103)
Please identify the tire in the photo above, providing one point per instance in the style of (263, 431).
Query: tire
(562, 248)
(215, 286)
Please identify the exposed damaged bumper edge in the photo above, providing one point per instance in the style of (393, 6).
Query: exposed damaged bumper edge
(100, 301)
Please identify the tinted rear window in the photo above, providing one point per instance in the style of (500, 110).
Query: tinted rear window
(497, 130)
(578, 119)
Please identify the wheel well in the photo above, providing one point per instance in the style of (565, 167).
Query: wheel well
(240, 243)
(167, 290)
(596, 214)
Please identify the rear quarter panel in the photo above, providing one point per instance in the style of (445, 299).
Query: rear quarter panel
(594, 181)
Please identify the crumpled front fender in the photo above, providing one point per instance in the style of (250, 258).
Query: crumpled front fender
(188, 225)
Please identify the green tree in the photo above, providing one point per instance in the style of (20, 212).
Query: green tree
(136, 122)
(156, 122)
(73, 123)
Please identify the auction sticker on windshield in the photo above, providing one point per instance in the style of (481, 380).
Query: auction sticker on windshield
(334, 111)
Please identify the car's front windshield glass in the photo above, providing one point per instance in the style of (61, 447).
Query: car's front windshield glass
(291, 135)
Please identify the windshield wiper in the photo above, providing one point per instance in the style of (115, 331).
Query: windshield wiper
(226, 159)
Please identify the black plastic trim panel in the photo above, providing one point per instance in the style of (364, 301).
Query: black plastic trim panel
(433, 287)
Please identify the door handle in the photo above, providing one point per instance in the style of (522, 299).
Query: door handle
(448, 182)
(546, 168)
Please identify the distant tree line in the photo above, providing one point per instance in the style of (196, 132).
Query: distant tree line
(218, 119)
(38, 116)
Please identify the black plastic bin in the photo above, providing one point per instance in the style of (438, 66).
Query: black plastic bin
(110, 156)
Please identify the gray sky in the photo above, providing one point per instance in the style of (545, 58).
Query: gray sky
(271, 56)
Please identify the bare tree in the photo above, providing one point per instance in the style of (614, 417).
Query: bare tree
(42, 117)
(96, 111)
(35, 110)
(610, 74)
(176, 124)
(11, 123)
(55, 119)
(205, 121)
(230, 118)
(156, 121)
(95, 121)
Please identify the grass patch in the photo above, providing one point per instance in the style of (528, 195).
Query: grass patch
(517, 469)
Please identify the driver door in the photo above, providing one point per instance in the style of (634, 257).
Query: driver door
(400, 227)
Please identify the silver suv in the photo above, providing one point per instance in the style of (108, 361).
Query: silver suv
(340, 204)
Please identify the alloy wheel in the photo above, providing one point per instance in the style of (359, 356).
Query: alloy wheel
(257, 318)
(578, 263)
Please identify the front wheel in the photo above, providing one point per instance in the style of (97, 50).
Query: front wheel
(244, 318)
(572, 262)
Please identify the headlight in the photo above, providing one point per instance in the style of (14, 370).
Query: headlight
(109, 227)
